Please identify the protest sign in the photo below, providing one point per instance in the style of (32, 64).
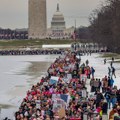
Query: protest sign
(38, 103)
(60, 101)
(61, 113)
(67, 78)
(83, 77)
(45, 83)
(58, 104)
(53, 80)
(51, 70)
(92, 95)
(84, 93)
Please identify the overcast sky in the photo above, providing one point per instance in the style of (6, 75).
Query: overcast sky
(14, 13)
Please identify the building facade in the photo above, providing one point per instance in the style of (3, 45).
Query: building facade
(37, 18)
(58, 23)
(58, 27)
(8, 34)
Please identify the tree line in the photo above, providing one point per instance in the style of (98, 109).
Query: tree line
(105, 25)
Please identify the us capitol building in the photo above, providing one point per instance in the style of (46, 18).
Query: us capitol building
(58, 28)
(37, 22)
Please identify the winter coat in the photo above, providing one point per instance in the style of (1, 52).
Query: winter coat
(104, 107)
(99, 97)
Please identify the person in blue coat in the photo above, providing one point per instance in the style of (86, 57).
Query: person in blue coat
(111, 82)
(92, 72)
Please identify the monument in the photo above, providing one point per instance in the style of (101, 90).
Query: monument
(58, 28)
(37, 25)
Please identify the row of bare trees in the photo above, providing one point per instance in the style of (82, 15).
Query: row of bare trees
(105, 25)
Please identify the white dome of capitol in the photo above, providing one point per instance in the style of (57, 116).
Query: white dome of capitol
(58, 15)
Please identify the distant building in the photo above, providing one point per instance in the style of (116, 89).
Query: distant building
(58, 23)
(37, 19)
(13, 34)
(58, 27)
(37, 26)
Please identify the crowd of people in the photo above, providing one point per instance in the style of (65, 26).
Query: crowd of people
(30, 52)
(70, 94)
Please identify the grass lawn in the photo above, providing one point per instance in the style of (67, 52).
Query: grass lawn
(14, 44)
(110, 55)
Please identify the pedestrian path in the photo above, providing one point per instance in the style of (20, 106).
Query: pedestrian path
(62, 94)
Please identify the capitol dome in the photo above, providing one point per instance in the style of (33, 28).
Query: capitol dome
(58, 20)
(58, 16)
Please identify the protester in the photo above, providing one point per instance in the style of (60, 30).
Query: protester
(113, 71)
(104, 61)
(117, 114)
(104, 106)
(109, 72)
(87, 62)
(92, 85)
(108, 97)
(99, 98)
(104, 84)
(92, 72)
(64, 89)
(112, 60)
(112, 112)
(113, 97)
